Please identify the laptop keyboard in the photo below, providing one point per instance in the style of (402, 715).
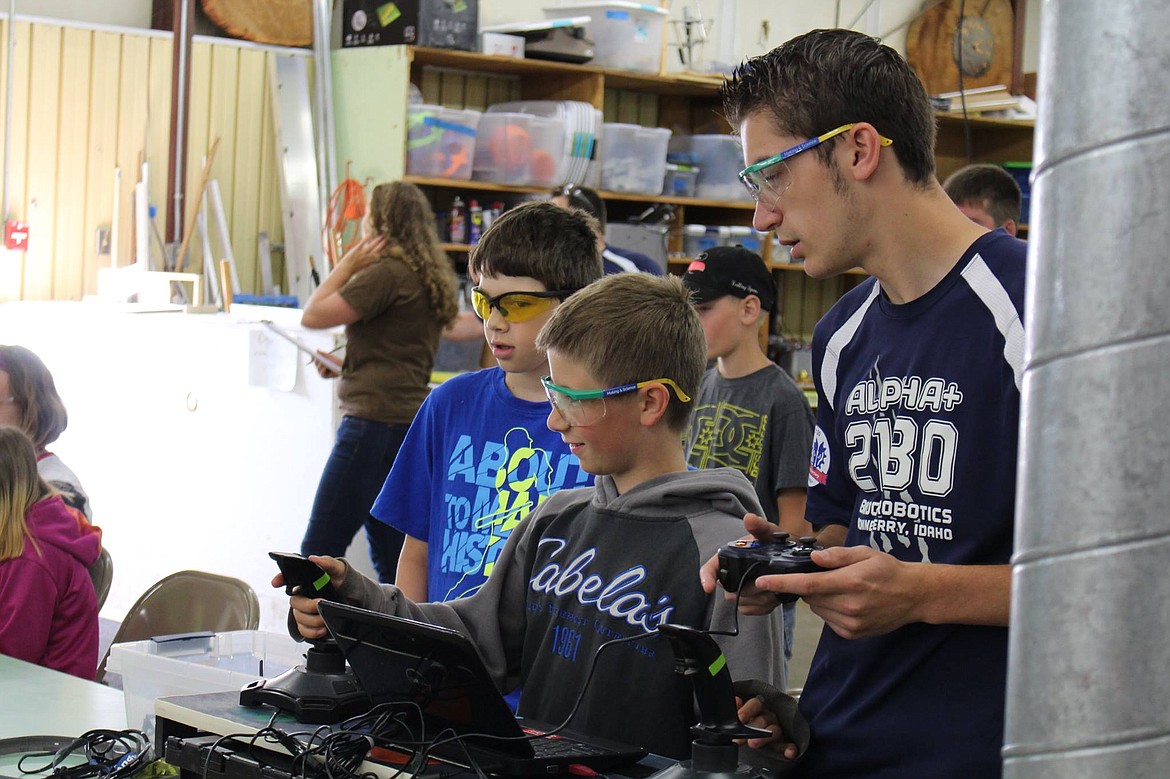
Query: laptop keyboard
(553, 746)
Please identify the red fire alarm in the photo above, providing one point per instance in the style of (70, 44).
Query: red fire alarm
(16, 235)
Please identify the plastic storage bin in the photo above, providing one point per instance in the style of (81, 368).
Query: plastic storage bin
(196, 664)
(633, 158)
(520, 149)
(680, 180)
(582, 126)
(626, 36)
(699, 238)
(440, 142)
(719, 159)
(739, 235)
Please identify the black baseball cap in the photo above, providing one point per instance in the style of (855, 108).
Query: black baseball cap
(730, 270)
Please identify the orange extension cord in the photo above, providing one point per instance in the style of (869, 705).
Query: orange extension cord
(343, 220)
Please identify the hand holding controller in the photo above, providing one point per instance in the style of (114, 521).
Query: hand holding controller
(740, 562)
(303, 577)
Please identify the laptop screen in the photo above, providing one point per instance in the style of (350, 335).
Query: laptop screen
(401, 660)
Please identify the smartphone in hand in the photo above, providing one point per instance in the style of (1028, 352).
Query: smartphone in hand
(303, 577)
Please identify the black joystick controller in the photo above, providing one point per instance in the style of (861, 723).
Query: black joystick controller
(714, 753)
(740, 562)
(322, 691)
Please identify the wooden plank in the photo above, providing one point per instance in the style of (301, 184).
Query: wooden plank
(132, 133)
(475, 93)
(41, 158)
(629, 104)
(12, 280)
(431, 86)
(500, 89)
(199, 142)
(648, 110)
(159, 130)
(268, 198)
(223, 107)
(11, 263)
(74, 245)
(102, 147)
(371, 133)
(253, 74)
(451, 89)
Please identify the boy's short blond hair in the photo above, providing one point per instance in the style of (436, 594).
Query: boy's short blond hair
(633, 327)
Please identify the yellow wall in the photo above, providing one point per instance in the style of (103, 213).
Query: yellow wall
(88, 101)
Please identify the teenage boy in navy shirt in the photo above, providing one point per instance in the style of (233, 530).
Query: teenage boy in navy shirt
(917, 370)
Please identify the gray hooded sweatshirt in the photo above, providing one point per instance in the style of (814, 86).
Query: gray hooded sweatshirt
(590, 565)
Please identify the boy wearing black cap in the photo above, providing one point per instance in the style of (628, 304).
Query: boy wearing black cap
(749, 414)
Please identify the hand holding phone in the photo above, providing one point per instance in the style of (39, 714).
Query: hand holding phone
(303, 577)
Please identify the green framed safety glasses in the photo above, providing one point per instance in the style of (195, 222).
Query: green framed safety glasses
(587, 407)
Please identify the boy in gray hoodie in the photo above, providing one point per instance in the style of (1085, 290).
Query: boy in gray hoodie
(626, 354)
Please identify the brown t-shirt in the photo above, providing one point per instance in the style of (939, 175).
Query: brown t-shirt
(390, 351)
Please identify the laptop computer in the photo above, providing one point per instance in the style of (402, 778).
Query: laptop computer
(402, 660)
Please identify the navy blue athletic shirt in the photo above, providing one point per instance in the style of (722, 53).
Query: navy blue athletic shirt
(915, 451)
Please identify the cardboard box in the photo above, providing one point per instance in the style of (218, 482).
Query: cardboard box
(446, 24)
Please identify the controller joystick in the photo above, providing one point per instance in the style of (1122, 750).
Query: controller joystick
(322, 691)
(740, 562)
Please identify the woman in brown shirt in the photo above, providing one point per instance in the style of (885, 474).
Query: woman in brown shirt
(394, 291)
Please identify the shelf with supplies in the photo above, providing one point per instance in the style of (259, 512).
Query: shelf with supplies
(371, 89)
(487, 186)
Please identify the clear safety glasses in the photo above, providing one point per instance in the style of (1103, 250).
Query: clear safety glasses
(586, 407)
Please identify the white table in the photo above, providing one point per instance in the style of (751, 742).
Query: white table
(39, 701)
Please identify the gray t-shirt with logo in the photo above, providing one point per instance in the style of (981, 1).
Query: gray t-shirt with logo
(760, 424)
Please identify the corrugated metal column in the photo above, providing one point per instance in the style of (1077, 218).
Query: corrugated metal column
(1089, 675)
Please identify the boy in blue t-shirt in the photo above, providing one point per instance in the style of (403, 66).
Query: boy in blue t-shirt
(912, 476)
(479, 456)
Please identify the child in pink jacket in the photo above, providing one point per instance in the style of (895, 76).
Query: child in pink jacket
(48, 609)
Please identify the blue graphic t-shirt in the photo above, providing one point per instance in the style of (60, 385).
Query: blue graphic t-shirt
(476, 460)
(915, 452)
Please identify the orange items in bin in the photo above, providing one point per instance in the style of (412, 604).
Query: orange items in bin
(440, 141)
(511, 148)
(521, 149)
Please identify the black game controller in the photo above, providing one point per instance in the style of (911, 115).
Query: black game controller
(740, 562)
(303, 577)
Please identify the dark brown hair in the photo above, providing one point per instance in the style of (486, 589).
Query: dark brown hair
(540, 240)
(823, 79)
(990, 186)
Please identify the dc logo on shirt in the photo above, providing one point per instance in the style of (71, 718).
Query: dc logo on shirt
(818, 466)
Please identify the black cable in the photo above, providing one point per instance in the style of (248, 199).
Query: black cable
(113, 754)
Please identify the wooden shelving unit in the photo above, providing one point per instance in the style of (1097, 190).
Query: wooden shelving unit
(371, 91)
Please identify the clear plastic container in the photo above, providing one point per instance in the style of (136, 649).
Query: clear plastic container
(582, 127)
(680, 180)
(739, 235)
(196, 664)
(633, 158)
(699, 238)
(440, 142)
(520, 149)
(719, 159)
(626, 36)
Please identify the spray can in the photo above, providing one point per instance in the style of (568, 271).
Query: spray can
(474, 222)
(457, 222)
